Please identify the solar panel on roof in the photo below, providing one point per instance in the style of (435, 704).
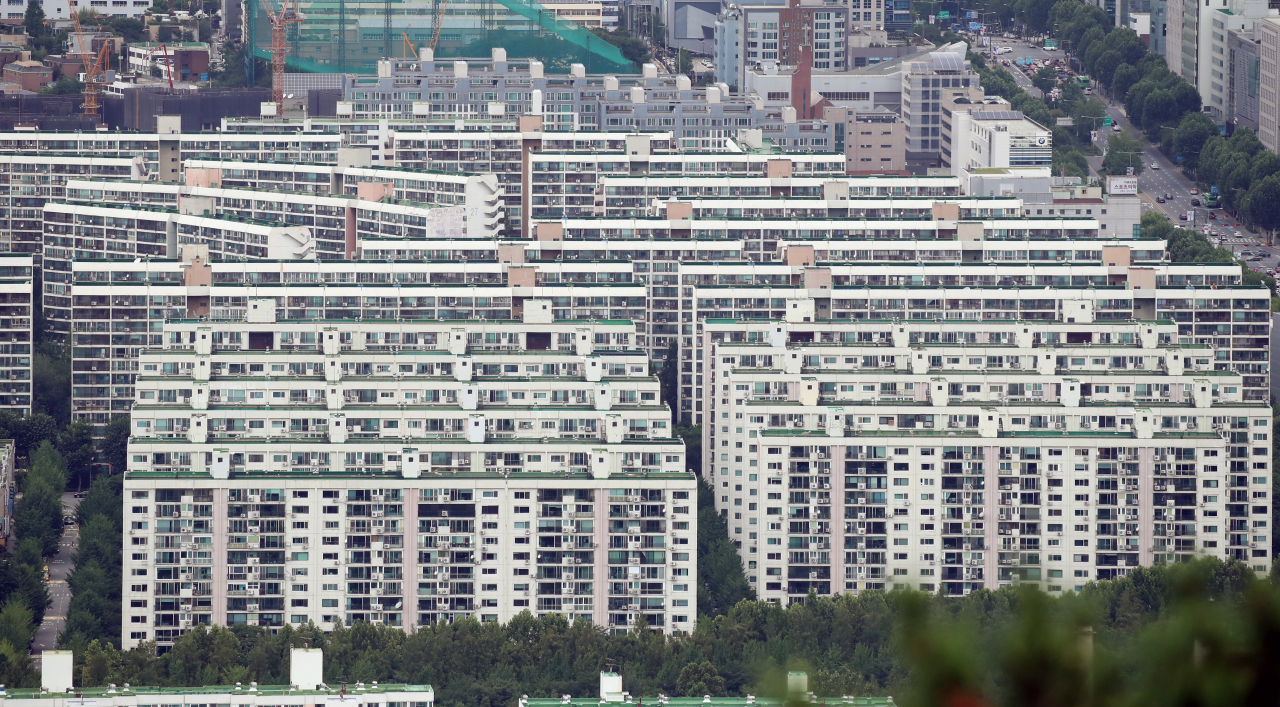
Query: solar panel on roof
(946, 61)
(998, 115)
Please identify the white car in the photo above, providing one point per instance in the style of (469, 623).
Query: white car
(1155, 166)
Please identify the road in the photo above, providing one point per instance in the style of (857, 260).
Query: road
(1022, 50)
(1167, 181)
(59, 568)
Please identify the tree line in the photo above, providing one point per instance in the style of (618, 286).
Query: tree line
(1196, 633)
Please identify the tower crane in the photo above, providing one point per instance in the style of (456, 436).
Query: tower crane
(95, 73)
(288, 14)
(440, 6)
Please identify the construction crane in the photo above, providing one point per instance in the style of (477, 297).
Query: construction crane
(95, 78)
(439, 22)
(288, 14)
(168, 62)
(406, 47)
(93, 73)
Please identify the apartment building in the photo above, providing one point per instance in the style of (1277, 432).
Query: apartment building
(287, 468)
(118, 307)
(16, 315)
(979, 453)
(29, 180)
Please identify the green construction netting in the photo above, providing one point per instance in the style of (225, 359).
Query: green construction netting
(524, 28)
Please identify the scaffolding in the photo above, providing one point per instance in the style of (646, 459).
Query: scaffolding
(350, 36)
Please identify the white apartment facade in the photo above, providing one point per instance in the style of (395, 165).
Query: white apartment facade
(978, 453)
(285, 471)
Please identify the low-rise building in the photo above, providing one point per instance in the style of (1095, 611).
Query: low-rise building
(28, 74)
(186, 60)
(873, 141)
(983, 136)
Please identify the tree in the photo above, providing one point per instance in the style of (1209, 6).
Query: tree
(1264, 203)
(669, 380)
(1124, 77)
(1045, 79)
(65, 85)
(721, 581)
(33, 20)
(16, 623)
(115, 444)
(684, 62)
(1123, 153)
(51, 364)
(1190, 135)
(76, 445)
(700, 679)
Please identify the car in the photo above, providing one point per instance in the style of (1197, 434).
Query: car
(1159, 199)
(68, 520)
(1212, 215)
(1155, 165)
(1115, 127)
(1182, 217)
(1195, 192)
(1195, 202)
(78, 494)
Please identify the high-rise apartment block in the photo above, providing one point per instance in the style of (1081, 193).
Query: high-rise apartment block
(953, 438)
(286, 467)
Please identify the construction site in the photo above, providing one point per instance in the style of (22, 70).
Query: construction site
(350, 36)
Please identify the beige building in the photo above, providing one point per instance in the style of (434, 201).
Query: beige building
(874, 140)
(1269, 82)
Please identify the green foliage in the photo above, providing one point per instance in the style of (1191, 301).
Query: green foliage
(721, 583)
(669, 378)
(16, 624)
(684, 62)
(76, 445)
(1067, 158)
(51, 379)
(698, 679)
(95, 583)
(65, 85)
(232, 74)
(1160, 635)
(1045, 79)
(633, 48)
(1123, 152)
(38, 514)
(27, 432)
(1188, 246)
(33, 19)
(115, 444)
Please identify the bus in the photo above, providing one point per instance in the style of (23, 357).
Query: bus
(1211, 201)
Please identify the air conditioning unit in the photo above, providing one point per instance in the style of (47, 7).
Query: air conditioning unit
(253, 560)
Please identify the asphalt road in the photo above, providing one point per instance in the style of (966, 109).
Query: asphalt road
(1165, 181)
(1022, 50)
(59, 568)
